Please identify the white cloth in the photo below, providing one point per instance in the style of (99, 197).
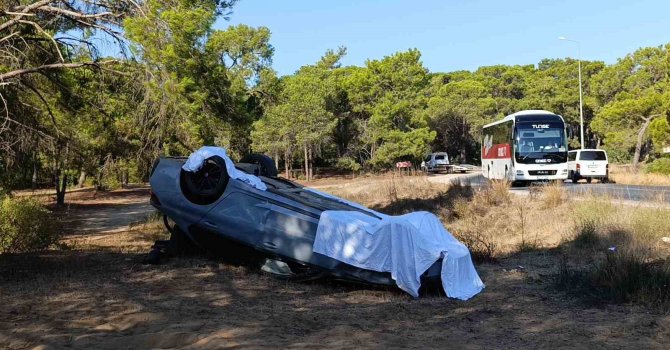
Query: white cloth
(197, 159)
(406, 246)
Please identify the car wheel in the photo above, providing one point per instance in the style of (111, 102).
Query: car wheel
(267, 165)
(207, 184)
(588, 180)
(574, 177)
(180, 244)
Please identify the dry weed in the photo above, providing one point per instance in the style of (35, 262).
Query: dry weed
(622, 174)
(553, 195)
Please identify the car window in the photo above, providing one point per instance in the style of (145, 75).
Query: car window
(592, 155)
(572, 156)
(439, 157)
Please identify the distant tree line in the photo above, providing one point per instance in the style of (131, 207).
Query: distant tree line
(72, 113)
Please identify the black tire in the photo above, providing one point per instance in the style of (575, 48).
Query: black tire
(180, 244)
(574, 177)
(206, 185)
(605, 180)
(588, 180)
(267, 165)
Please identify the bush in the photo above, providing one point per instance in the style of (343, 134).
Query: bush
(25, 225)
(346, 163)
(659, 166)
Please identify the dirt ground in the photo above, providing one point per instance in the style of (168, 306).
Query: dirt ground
(95, 293)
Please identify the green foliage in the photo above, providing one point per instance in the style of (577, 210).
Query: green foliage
(659, 166)
(346, 163)
(190, 84)
(25, 225)
(634, 96)
(659, 132)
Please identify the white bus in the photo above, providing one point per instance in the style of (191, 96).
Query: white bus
(526, 146)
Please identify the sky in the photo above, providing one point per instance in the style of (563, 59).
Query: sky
(455, 34)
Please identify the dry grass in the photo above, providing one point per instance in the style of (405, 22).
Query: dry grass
(382, 190)
(623, 174)
(553, 195)
(616, 253)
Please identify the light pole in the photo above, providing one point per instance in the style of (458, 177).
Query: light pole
(579, 67)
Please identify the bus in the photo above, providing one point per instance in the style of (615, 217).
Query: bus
(526, 146)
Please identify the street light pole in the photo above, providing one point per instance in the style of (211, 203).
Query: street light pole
(579, 68)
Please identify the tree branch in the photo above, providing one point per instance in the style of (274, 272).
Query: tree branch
(19, 72)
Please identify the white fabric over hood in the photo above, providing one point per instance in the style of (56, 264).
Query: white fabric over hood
(198, 158)
(405, 245)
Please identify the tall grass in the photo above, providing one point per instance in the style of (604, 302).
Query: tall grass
(625, 175)
(617, 254)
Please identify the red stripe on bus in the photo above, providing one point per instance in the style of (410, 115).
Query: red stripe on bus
(498, 151)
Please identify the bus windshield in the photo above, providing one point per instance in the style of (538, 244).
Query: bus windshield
(540, 143)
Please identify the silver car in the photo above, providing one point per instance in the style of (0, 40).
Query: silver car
(236, 221)
(435, 162)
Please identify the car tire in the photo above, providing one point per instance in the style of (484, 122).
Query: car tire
(180, 244)
(588, 180)
(574, 177)
(266, 164)
(207, 184)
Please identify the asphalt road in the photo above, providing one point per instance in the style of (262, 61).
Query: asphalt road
(623, 192)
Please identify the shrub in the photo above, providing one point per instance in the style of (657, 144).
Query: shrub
(659, 166)
(497, 193)
(553, 195)
(25, 225)
(347, 163)
(587, 234)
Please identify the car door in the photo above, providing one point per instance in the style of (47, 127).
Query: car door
(572, 164)
(593, 163)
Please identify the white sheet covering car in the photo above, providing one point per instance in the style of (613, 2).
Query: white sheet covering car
(405, 245)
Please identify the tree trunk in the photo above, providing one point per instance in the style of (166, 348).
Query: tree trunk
(287, 166)
(34, 178)
(306, 164)
(276, 158)
(311, 165)
(82, 179)
(638, 144)
(60, 175)
(60, 193)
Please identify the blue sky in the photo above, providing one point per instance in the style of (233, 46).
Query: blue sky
(455, 34)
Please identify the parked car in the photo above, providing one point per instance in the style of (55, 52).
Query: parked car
(588, 164)
(435, 162)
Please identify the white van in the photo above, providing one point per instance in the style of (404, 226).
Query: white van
(588, 164)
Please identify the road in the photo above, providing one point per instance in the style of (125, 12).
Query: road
(623, 192)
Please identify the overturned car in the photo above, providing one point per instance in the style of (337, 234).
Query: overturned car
(245, 209)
